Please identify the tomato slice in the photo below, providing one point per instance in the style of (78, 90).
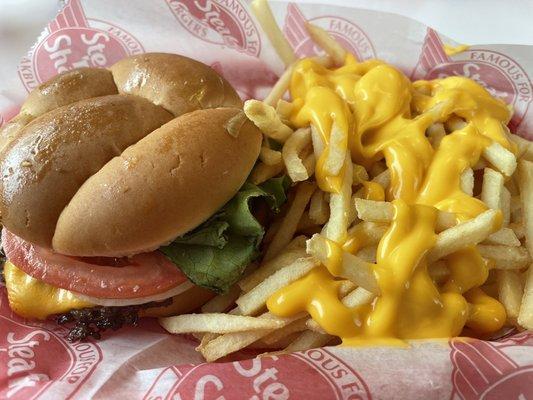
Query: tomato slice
(142, 275)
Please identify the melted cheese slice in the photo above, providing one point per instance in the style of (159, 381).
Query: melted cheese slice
(32, 298)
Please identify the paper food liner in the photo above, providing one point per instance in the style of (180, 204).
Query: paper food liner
(145, 362)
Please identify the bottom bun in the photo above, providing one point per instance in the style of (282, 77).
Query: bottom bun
(183, 303)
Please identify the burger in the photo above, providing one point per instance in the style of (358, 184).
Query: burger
(124, 193)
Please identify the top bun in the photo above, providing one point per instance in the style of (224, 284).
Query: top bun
(66, 88)
(55, 153)
(160, 188)
(176, 83)
(73, 125)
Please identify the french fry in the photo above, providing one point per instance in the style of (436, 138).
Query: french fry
(525, 182)
(454, 124)
(310, 164)
(374, 211)
(360, 174)
(358, 297)
(516, 209)
(466, 234)
(381, 211)
(340, 207)
(283, 342)
(294, 250)
(267, 120)
(280, 88)
(510, 292)
(491, 191)
(253, 301)
(371, 231)
(232, 342)
(296, 326)
(383, 179)
(282, 85)
(467, 181)
(309, 159)
(206, 338)
(266, 19)
(222, 302)
(284, 110)
(346, 287)
(525, 315)
(368, 254)
(263, 172)
(318, 208)
(525, 147)
(351, 267)
(504, 237)
(337, 150)
(505, 203)
(289, 224)
(293, 146)
(209, 336)
(327, 43)
(269, 156)
(501, 158)
(318, 142)
(216, 323)
(512, 186)
(308, 340)
(505, 257)
(314, 326)
(435, 134)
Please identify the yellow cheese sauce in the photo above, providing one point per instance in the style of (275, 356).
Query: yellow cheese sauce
(32, 298)
(453, 50)
(383, 115)
(373, 191)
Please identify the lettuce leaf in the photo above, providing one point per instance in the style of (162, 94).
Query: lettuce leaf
(215, 254)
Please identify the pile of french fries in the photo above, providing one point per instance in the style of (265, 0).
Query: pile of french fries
(297, 241)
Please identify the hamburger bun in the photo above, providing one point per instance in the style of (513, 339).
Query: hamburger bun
(54, 154)
(160, 188)
(67, 88)
(176, 83)
(61, 90)
(72, 125)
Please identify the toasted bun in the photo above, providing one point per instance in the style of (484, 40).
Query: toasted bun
(160, 188)
(61, 90)
(54, 154)
(10, 131)
(70, 87)
(73, 125)
(178, 84)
